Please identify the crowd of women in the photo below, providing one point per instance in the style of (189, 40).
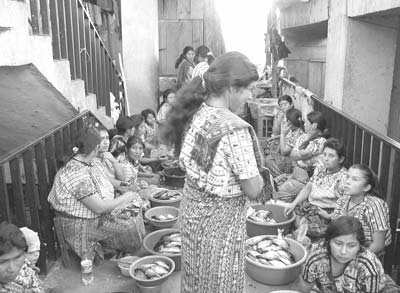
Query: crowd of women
(101, 191)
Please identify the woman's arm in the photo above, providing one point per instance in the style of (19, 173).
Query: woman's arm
(101, 206)
(378, 242)
(276, 124)
(302, 196)
(252, 187)
(303, 286)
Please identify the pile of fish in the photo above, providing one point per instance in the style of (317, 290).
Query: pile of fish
(270, 250)
(152, 271)
(165, 194)
(169, 244)
(163, 217)
(260, 216)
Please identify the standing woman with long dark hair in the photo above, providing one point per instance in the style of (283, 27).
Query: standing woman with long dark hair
(220, 154)
(185, 65)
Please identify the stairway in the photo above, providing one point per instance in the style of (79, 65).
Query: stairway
(19, 46)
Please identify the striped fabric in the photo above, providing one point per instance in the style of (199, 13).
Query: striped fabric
(213, 233)
(326, 188)
(364, 274)
(372, 212)
(121, 234)
(213, 206)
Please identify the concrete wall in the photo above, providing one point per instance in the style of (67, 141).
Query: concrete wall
(304, 13)
(140, 52)
(394, 114)
(362, 7)
(368, 75)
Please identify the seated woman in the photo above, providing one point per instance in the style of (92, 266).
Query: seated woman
(125, 126)
(319, 196)
(280, 162)
(285, 103)
(84, 201)
(133, 169)
(168, 99)
(110, 164)
(16, 274)
(362, 202)
(342, 264)
(305, 155)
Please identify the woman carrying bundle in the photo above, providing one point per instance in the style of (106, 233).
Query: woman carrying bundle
(185, 66)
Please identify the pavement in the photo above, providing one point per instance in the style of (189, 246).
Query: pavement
(108, 279)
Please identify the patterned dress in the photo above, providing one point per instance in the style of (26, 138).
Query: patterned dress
(372, 212)
(279, 164)
(26, 281)
(289, 186)
(364, 274)
(326, 189)
(83, 229)
(218, 151)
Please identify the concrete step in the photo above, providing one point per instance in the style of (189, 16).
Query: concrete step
(78, 94)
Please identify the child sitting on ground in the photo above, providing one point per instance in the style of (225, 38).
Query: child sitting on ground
(15, 273)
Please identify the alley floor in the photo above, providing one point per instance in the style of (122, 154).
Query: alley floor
(108, 279)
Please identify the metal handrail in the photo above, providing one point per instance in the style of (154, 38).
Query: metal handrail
(98, 35)
(371, 131)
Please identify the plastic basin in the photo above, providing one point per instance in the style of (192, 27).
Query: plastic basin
(148, 260)
(276, 276)
(162, 210)
(174, 176)
(277, 213)
(162, 202)
(151, 239)
(125, 263)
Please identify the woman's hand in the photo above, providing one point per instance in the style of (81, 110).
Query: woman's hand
(289, 209)
(323, 214)
(285, 128)
(108, 156)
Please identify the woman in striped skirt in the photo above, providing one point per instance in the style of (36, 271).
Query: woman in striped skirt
(220, 154)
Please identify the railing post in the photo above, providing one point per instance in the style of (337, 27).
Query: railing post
(5, 213)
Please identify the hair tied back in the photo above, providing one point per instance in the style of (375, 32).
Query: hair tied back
(75, 150)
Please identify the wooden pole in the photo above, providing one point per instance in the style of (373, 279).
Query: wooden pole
(274, 73)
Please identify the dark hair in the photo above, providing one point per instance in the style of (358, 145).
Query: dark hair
(183, 55)
(370, 178)
(123, 124)
(295, 117)
(201, 51)
(112, 132)
(337, 145)
(210, 59)
(322, 125)
(11, 236)
(117, 146)
(318, 117)
(137, 120)
(345, 225)
(286, 98)
(87, 140)
(231, 69)
(147, 112)
(165, 95)
(134, 140)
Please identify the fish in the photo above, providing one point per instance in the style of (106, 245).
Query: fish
(172, 250)
(140, 274)
(160, 270)
(277, 263)
(162, 264)
(256, 239)
(164, 217)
